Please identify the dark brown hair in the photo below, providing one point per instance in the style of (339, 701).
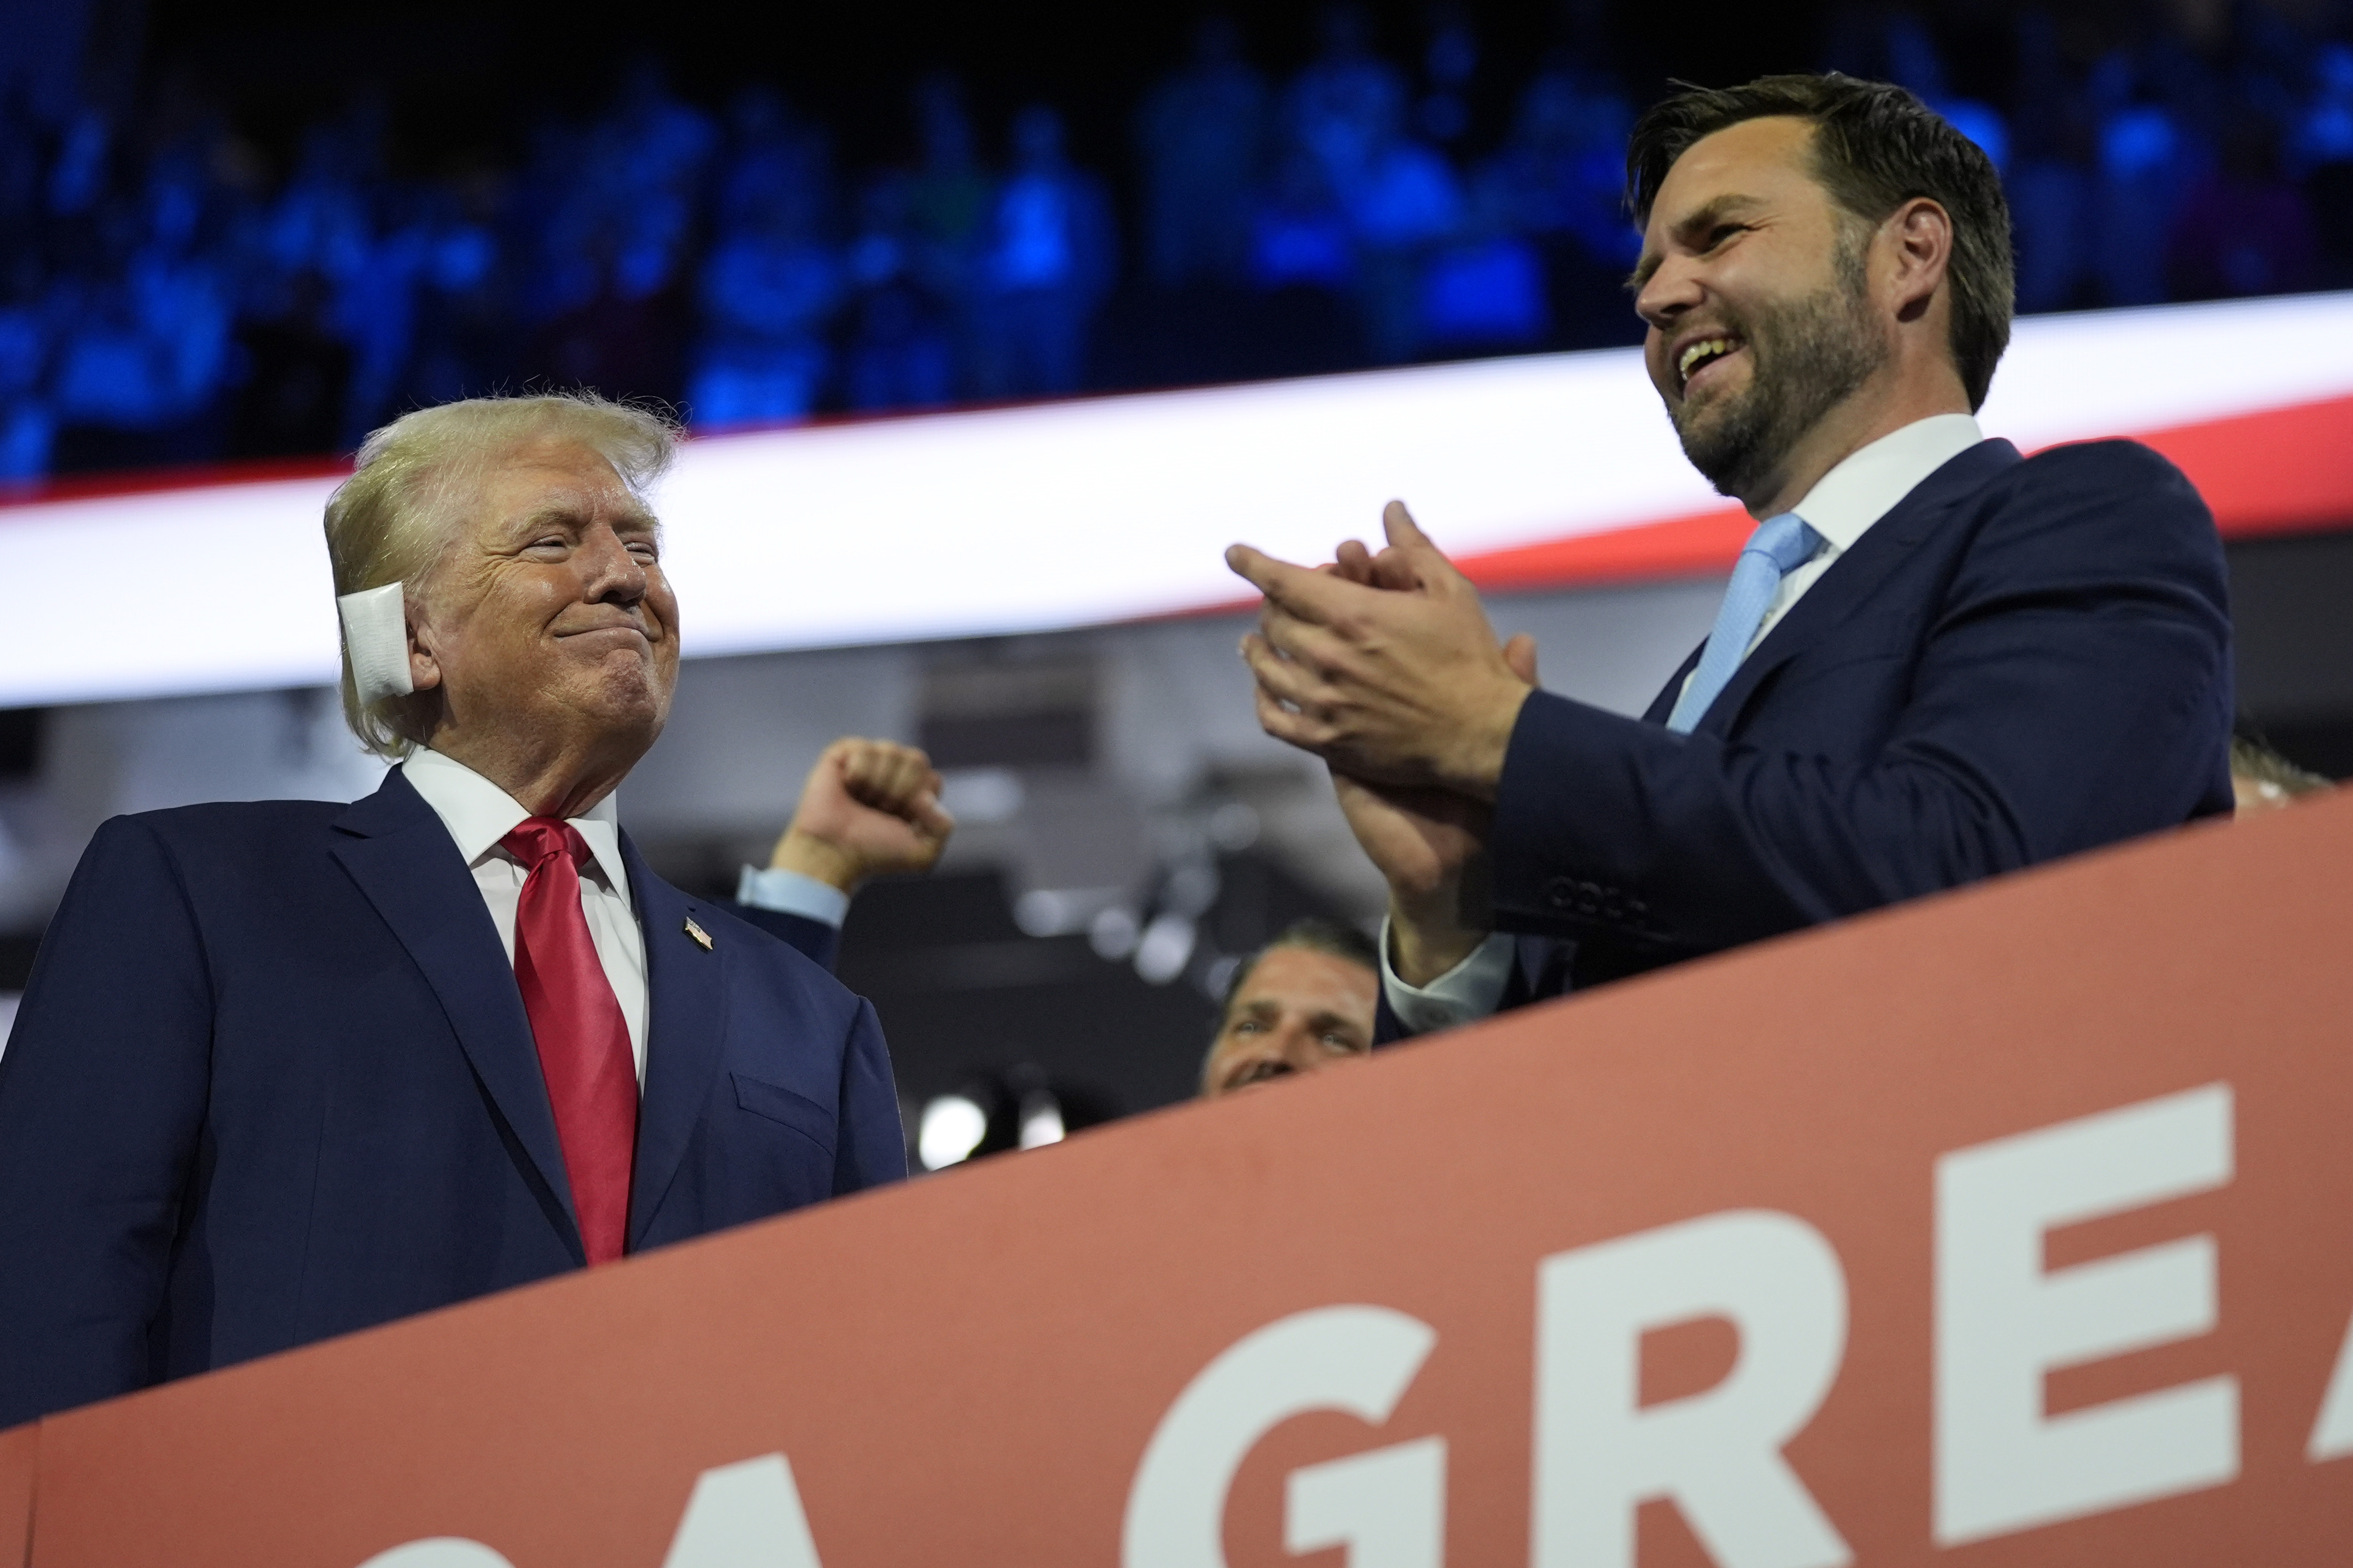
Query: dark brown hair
(1875, 147)
(1341, 942)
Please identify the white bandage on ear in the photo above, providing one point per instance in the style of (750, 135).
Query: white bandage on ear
(375, 634)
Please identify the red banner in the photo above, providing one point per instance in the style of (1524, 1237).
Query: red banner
(2004, 1228)
(18, 1447)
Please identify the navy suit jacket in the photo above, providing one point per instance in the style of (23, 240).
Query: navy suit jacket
(272, 1080)
(2024, 658)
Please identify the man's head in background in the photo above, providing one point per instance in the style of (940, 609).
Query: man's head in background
(1304, 1001)
(1822, 257)
(2263, 780)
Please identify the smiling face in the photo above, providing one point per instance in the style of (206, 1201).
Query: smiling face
(1299, 1010)
(1755, 289)
(548, 623)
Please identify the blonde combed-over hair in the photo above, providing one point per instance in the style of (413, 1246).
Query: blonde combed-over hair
(408, 496)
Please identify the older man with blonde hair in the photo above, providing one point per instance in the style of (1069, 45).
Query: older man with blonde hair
(288, 1068)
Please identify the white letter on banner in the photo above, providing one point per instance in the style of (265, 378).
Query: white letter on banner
(1355, 1360)
(745, 1515)
(440, 1552)
(1601, 1452)
(1387, 1507)
(2332, 1435)
(2002, 1323)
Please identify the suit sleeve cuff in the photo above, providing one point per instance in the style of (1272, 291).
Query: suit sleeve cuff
(791, 893)
(1470, 990)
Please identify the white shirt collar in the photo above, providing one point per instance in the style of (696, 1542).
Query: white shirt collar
(479, 814)
(1867, 484)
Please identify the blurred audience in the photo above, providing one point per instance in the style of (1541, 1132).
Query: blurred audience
(769, 284)
(1200, 139)
(1304, 1001)
(173, 290)
(1050, 258)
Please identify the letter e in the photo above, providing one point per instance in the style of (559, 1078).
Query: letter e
(2002, 1463)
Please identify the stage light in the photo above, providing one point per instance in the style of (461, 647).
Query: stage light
(1041, 1120)
(1234, 827)
(953, 1127)
(1167, 943)
(1112, 934)
(1060, 911)
(982, 794)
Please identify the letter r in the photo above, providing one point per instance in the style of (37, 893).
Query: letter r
(1600, 1453)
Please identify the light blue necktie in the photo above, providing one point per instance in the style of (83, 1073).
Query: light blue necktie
(1779, 545)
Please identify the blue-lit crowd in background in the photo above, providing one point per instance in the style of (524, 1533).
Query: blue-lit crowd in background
(168, 299)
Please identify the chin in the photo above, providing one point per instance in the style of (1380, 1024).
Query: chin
(627, 695)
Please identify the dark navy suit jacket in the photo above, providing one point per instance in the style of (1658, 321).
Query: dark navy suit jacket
(272, 1080)
(2024, 658)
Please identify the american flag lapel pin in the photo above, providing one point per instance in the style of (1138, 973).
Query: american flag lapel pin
(700, 936)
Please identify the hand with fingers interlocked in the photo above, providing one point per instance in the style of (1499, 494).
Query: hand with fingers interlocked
(1384, 665)
(869, 808)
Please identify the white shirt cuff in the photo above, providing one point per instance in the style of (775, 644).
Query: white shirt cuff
(1470, 990)
(791, 893)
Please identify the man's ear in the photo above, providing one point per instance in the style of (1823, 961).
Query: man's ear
(1920, 233)
(424, 669)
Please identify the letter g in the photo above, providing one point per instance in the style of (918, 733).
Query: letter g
(1358, 1360)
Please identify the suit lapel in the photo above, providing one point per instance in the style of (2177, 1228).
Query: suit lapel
(1855, 577)
(686, 987)
(1663, 704)
(402, 856)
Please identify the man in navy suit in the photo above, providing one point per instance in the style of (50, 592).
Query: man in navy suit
(286, 1069)
(1936, 660)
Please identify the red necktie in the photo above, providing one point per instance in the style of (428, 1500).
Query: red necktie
(583, 1042)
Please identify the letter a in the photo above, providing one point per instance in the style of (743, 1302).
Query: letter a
(2332, 1435)
(744, 1516)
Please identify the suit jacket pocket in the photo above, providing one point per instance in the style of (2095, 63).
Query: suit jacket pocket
(797, 1111)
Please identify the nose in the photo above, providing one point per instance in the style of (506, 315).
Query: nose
(1668, 292)
(610, 572)
(1302, 1050)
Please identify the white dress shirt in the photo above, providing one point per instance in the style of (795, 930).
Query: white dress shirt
(1843, 504)
(479, 814)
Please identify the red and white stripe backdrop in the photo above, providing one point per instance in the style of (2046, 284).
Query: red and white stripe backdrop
(1539, 472)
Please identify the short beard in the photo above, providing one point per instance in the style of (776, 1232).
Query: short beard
(1805, 357)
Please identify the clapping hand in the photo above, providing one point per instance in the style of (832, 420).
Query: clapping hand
(1383, 664)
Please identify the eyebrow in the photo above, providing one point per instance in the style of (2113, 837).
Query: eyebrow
(1698, 221)
(633, 518)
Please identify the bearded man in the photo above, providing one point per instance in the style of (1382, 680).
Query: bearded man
(1936, 660)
